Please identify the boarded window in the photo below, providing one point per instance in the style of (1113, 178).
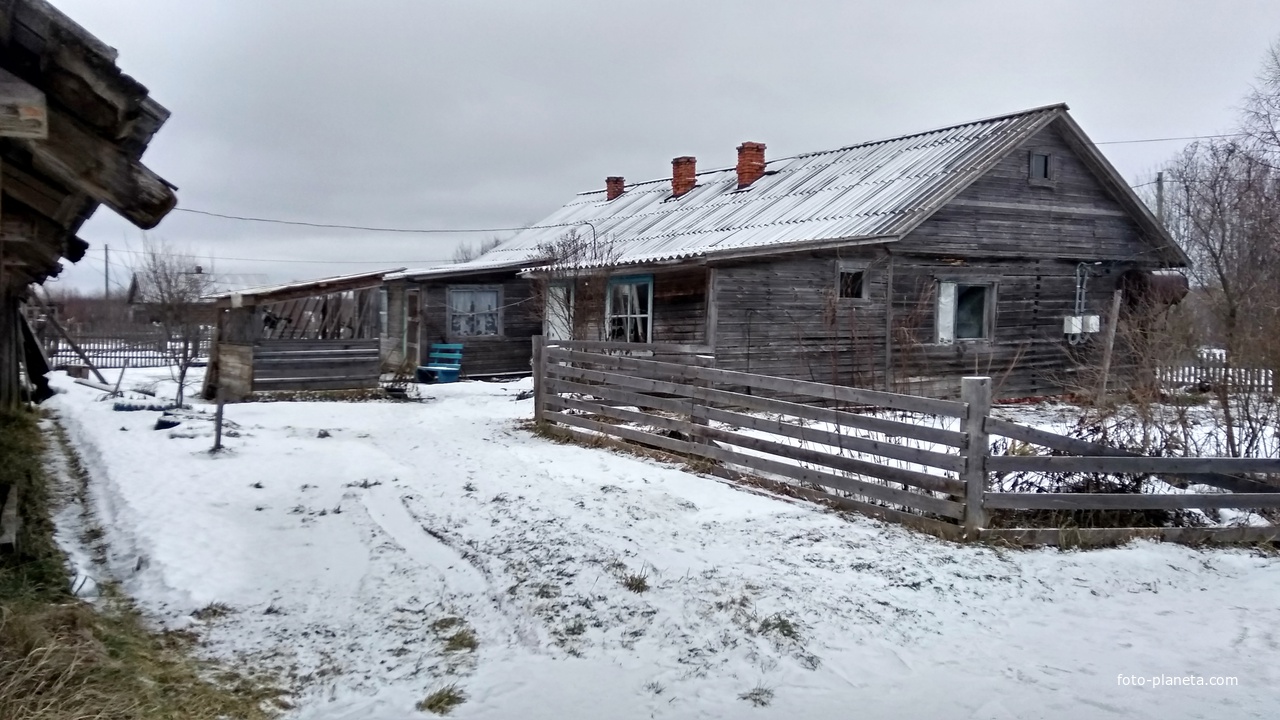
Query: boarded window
(558, 323)
(629, 309)
(1041, 166)
(473, 311)
(853, 284)
(964, 312)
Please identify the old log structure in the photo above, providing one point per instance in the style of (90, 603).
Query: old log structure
(993, 247)
(73, 128)
(316, 335)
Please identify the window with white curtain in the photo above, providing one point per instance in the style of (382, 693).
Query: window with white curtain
(474, 311)
(629, 309)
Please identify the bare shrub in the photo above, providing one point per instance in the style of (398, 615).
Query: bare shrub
(175, 288)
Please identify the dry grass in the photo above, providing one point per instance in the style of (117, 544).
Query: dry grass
(63, 659)
(443, 700)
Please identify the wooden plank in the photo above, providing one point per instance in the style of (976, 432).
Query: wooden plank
(909, 403)
(939, 528)
(540, 379)
(1113, 536)
(23, 113)
(1117, 501)
(1137, 465)
(882, 492)
(282, 384)
(1062, 443)
(840, 418)
(657, 348)
(848, 464)
(939, 460)
(976, 392)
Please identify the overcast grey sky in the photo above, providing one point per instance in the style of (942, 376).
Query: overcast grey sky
(448, 114)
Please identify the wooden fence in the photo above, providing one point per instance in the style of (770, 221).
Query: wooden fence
(140, 348)
(279, 365)
(931, 471)
(1215, 373)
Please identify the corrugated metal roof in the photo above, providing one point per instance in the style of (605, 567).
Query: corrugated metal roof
(875, 189)
(374, 277)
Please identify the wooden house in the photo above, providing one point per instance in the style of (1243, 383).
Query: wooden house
(73, 128)
(991, 247)
(321, 334)
(490, 309)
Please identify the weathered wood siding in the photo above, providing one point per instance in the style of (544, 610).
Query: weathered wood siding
(520, 320)
(315, 365)
(393, 338)
(783, 316)
(1004, 215)
(679, 313)
(235, 370)
(1028, 354)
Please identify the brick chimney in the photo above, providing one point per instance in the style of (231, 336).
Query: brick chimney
(750, 163)
(683, 175)
(613, 187)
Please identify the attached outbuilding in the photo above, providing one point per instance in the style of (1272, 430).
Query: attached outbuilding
(321, 334)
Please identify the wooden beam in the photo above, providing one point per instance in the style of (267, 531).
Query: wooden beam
(1129, 501)
(23, 113)
(81, 160)
(1131, 465)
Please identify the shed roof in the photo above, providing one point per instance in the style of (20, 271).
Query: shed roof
(873, 191)
(302, 288)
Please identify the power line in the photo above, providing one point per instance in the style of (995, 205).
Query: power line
(1169, 139)
(367, 228)
(283, 260)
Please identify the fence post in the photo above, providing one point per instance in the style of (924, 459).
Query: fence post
(539, 378)
(217, 421)
(976, 393)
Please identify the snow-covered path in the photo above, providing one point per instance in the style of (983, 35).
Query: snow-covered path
(349, 561)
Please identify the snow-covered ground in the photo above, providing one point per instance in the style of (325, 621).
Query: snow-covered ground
(349, 557)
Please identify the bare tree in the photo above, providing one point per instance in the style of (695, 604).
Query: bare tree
(175, 289)
(466, 252)
(572, 282)
(1225, 212)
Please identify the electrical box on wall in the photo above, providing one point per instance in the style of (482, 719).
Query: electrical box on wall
(1079, 324)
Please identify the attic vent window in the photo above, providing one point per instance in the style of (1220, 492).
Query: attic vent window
(1041, 170)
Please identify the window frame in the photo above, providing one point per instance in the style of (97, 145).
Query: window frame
(1051, 170)
(843, 267)
(608, 306)
(449, 311)
(944, 335)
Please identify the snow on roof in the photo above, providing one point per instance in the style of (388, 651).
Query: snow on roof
(871, 190)
(321, 283)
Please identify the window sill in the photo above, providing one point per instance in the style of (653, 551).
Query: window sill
(1051, 184)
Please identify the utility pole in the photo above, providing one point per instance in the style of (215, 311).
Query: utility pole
(1160, 196)
(106, 272)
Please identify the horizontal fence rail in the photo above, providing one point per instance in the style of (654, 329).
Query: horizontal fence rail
(936, 477)
(649, 394)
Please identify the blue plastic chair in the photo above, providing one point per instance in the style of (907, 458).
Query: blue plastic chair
(444, 362)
